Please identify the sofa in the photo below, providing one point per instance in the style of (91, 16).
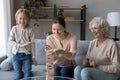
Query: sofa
(6, 72)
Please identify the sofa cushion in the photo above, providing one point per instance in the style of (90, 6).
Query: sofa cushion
(6, 65)
(82, 47)
(2, 58)
(39, 70)
(40, 51)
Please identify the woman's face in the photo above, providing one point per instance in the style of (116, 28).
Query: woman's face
(22, 20)
(96, 31)
(58, 29)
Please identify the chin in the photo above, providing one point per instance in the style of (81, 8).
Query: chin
(57, 35)
(95, 36)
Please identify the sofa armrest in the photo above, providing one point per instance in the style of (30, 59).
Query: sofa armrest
(2, 58)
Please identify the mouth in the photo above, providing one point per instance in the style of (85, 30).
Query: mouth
(94, 34)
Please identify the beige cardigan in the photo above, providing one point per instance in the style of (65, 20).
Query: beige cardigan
(18, 36)
(106, 55)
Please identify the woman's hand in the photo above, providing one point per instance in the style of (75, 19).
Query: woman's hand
(48, 47)
(86, 62)
(92, 63)
(34, 61)
(25, 44)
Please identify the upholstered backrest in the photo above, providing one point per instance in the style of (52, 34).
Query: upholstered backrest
(82, 47)
(118, 43)
(40, 51)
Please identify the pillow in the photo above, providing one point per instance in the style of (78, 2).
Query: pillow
(6, 65)
(2, 58)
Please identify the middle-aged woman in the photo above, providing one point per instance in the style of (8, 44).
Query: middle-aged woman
(102, 61)
(62, 45)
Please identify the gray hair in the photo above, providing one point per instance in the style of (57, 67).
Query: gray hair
(102, 24)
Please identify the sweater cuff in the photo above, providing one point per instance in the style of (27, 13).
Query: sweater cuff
(33, 56)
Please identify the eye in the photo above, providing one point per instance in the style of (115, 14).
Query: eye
(20, 18)
(53, 29)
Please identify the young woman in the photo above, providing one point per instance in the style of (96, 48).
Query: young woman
(62, 45)
(22, 40)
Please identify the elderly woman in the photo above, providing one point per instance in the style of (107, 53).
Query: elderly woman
(102, 61)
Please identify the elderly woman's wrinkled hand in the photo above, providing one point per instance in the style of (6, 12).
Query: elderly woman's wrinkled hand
(86, 62)
(92, 63)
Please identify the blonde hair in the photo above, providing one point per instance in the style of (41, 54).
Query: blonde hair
(102, 24)
(24, 11)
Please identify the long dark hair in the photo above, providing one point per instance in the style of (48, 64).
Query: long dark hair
(59, 20)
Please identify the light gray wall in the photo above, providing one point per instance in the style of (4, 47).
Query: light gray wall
(94, 8)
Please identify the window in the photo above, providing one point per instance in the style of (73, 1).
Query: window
(4, 25)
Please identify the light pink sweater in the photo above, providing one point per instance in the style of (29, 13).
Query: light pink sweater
(67, 45)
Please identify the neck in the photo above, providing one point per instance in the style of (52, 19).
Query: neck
(22, 26)
(100, 41)
(61, 37)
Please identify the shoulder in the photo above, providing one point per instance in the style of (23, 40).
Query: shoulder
(15, 28)
(72, 36)
(110, 42)
(29, 28)
(93, 41)
(50, 36)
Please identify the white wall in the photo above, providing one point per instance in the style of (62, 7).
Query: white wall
(95, 8)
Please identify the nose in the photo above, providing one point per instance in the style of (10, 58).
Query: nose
(92, 30)
(22, 20)
(56, 31)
